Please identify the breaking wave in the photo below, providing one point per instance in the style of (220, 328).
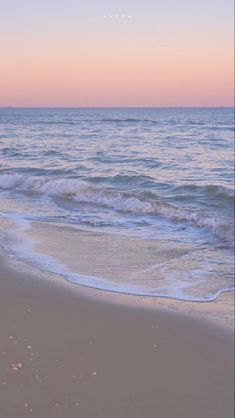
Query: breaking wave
(210, 190)
(83, 192)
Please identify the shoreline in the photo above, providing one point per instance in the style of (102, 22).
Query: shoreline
(218, 312)
(64, 353)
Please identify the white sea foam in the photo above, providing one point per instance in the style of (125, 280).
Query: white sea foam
(83, 192)
(222, 228)
(25, 251)
(146, 178)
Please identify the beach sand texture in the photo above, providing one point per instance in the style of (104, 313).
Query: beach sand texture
(67, 356)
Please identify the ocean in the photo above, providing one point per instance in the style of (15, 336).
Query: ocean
(137, 201)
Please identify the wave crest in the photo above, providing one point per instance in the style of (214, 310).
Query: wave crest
(83, 192)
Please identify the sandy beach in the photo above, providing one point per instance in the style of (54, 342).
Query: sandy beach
(117, 209)
(66, 355)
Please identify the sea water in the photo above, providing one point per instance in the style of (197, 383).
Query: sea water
(137, 201)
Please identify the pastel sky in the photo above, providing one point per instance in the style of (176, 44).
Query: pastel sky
(116, 53)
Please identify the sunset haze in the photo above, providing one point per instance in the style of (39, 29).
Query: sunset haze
(116, 53)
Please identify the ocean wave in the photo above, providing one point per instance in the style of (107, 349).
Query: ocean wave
(11, 151)
(210, 190)
(220, 191)
(222, 128)
(83, 192)
(129, 120)
(57, 122)
(133, 180)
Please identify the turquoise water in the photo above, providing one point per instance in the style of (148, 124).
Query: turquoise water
(137, 201)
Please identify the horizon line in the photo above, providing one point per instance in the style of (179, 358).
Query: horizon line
(120, 107)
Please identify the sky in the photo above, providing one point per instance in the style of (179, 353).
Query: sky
(90, 53)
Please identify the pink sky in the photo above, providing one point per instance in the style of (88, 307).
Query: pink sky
(107, 62)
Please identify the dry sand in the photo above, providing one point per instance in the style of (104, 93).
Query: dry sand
(64, 355)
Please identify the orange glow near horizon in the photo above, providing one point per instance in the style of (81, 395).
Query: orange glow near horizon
(117, 71)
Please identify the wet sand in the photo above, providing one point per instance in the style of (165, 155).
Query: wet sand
(66, 355)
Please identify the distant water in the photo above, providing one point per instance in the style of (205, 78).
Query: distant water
(138, 201)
